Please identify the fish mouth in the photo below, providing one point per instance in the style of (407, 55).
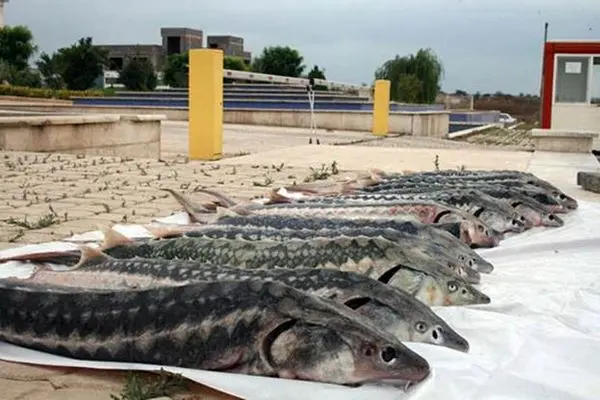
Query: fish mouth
(406, 380)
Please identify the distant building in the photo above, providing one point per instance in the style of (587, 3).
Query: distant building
(174, 40)
(232, 46)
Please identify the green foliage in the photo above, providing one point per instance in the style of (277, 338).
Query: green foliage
(22, 91)
(138, 74)
(19, 77)
(235, 64)
(402, 71)
(49, 67)
(279, 60)
(410, 88)
(16, 46)
(175, 70)
(139, 388)
(81, 64)
(316, 73)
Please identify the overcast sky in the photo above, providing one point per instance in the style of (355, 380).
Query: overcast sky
(485, 45)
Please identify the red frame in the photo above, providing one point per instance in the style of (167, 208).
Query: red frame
(550, 50)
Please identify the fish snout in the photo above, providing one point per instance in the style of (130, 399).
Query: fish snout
(452, 339)
(553, 220)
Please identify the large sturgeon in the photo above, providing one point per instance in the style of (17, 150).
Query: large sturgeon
(426, 251)
(471, 230)
(390, 309)
(536, 213)
(377, 258)
(505, 178)
(427, 212)
(250, 327)
(495, 213)
(437, 237)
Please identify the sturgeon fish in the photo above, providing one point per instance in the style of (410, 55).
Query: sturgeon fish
(513, 179)
(535, 212)
(249, 327)
(439, 237)
(496, 214)
(376, 258)
(427, 252)
(390, 309)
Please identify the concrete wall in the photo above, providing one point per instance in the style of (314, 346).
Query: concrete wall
(106, 134)
(429, 124)
(581, 117)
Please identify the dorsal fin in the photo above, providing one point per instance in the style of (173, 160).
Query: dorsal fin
(90, 253)
(168, 232)
(191, 208)
(222, 199)
(276, 198)
(223, 212)
(112, 238)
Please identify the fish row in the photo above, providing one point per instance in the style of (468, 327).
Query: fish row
(325, 288)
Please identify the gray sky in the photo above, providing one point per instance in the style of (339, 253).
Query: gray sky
(485, 45)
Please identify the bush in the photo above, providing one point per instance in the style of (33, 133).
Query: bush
(23, 91)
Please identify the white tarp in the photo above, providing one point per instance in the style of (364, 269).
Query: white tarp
(538, 339)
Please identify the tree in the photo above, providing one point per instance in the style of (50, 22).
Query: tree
(49, 68)
(175, 71)
(279, 60)
(16, 46)
(424, 66)
(235, 64)
(138, 74)
(316, 73)
(81, 64)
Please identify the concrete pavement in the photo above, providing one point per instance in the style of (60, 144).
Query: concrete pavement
(47, 197)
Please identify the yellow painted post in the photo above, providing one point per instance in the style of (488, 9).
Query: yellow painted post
(205, 104)
(381, 108)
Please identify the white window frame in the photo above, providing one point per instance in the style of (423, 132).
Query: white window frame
(588, 101)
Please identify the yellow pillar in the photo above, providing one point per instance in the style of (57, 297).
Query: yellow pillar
(381, 108)
(205, 104)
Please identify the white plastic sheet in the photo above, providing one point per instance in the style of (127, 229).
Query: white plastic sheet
(538, 339)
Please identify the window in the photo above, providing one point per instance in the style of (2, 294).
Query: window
(572, 79)
(173, 45)
(596, 80)
(116, 63)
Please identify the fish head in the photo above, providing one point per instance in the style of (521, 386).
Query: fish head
(459, 292)
(501, 221)
(410, 321)
(552, 220)
(438, 333)
(342, 350)
(476, 263)
(566, 201)
(480, 234)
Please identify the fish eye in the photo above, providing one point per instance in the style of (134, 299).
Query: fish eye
(480, 228)
(461, 257)
(421, 326)
(452, 286)
(388, 354)
(551, 217)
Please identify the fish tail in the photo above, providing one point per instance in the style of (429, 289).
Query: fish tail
(192, 209)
